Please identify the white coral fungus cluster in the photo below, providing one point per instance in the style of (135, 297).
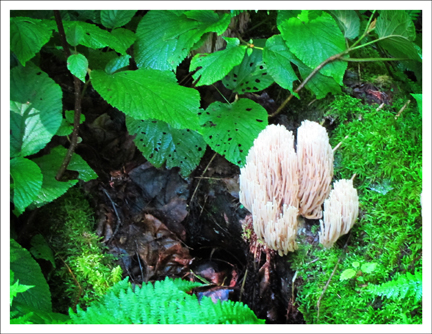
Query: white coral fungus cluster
(277, 184)
(340, 212)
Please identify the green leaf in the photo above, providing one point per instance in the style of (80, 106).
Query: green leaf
(286, 15)
(164, 38)
(348, 21)
(161, 143)
(41, 250)
(347, 274)
(28, 272)
(319, 84)
(123, 38)
(216, 66)
(368, 267)
(98, 60)
(74, 34)
(278, 59)
(66, 127)
(36, 105)
(230, 129)
(419, 99)
(116, 18)
(77, 64)
(17, 288)
(400, 30)
(251, 75)
(149, 94)
(27, 36)
(117, 63)
(49, 165)
(356, 264)
(315, 41)
(27, 180)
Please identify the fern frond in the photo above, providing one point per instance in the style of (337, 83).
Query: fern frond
(404, 286)
(164, 302)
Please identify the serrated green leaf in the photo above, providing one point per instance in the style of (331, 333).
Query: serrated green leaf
(17, 288)
(278, 59)
(35, 109)
(116, 18)
(284, 15)
(117, 63)
(49, 165)
(27, 180)
(164, 38)
(27, 36)
(77, 64)
(74, 34)
(41, 250)
(368, 267)
(124, 38)
(251, 75)
(348, 22)
(149, 94)
(161, 143)
(216, 66)
(28, 272)
(400, 30)
(324, 39)
(347, 274)
(230, 129)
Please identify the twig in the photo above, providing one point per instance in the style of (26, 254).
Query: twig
(77, 86)
(292, 287)
(139, 263)
(205, 170)
(338, 145)
(243, 283)
(402, 109)
(328, 282)
(119, 222)
(380, 107)
(312, 261)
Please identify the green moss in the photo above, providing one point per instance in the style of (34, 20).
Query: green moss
(84, 270)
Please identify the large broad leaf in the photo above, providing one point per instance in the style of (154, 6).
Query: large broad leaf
(230, 129)
(117, 64)
(278, 59)
(399, 29)
(27, 36)
(251, 75)
(49, 165)
(286, 15)
(35, 110)
(74, 34)
(161, 143)
(315, 40)
(28, 272)
(98, 60)
(348, 22)
(124, 38)
(164, 38)
(149, 94)
(27, 182)
(216, 66)
(77, 64)
(116, 18)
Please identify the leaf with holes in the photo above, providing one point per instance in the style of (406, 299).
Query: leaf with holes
(278, 58)
(251, 75)
(164, 37)
(35, 110)
(161, 143)
(230, 129)
(116, 18)
(77, 64)
(27, 36)
(217, 65)
(149, 94)
(324, 39)
(27, 182)
(49, 165)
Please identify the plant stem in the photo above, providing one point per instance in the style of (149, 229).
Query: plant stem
(77, 86)
(363, 60)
